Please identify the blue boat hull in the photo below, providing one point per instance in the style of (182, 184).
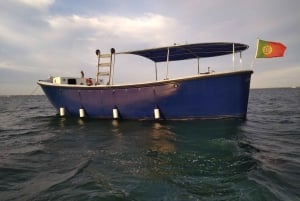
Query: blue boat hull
(205, 96)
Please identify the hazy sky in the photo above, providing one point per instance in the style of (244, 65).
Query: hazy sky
(39, 38)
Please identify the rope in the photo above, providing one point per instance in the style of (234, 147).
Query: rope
(34, 90)
(17, 106)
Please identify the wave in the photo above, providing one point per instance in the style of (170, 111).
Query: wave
(44, 181)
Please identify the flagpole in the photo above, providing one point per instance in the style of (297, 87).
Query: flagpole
(252, 63)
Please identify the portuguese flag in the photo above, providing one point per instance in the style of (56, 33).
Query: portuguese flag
(269, 49)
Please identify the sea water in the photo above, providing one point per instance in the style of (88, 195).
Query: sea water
(45, 157)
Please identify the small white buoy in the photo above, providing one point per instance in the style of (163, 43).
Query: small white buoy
(115, 113)
(81, 113)
(156, 113)
(62, 111)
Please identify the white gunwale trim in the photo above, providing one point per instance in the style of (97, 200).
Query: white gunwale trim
(48, 83)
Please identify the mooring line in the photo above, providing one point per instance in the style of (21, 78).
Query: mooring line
(35, 89)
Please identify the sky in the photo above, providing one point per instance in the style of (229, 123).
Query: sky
(42, 38)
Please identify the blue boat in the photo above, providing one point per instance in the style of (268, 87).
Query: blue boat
(205, 95)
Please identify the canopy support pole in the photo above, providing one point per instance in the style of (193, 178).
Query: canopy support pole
(233, 56)
(155, 71)
(198, 65)
(112, 66)
(241, 60)
(168, 54)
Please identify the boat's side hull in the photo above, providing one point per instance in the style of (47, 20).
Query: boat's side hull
(211, 96)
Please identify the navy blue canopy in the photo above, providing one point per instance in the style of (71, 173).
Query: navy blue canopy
(189, 51)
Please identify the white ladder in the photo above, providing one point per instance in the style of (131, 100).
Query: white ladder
(105, 68)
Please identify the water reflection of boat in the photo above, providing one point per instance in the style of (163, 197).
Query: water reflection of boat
(196, 134)
(205, 95)
(162, 140)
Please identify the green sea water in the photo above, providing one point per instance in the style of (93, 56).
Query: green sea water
(45, 157)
